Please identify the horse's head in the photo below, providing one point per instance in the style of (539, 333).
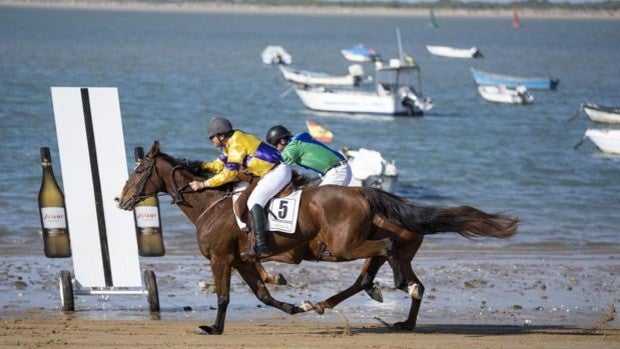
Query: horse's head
(143, 182)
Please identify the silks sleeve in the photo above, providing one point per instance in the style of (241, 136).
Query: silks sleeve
(215, 166)
(290, 154)
(236, 153)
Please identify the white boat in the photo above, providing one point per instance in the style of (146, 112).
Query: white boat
(355, 76)
(393, 94)
(370, 169)
(503, 94)
(601, 114)
(447, 51)
(360, 54)
(607, 141)
(274, 54)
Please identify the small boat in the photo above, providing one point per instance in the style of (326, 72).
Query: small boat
(484, 78)
(516, 23)
(393, 94)
(447, 51)
(599, 113)
(503, 94)
(370, 169)
(360, 54)
(607, 141)
(355, 77)
(319, 132)
(432, 23)
(274, 54)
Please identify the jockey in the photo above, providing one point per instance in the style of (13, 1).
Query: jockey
(240, 149)
(309, 153)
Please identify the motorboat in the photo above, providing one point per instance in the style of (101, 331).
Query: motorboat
(610, 115)
(503, 94)
(370, 169)
(274, 54)
(360, 54)
(484, 78)
(393, 93)
(303, 77)
(453, 52)
(607, 141)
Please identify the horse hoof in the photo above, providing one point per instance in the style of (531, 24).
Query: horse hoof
(203, 330)
(403, 326)
(375, 293)
(280, 280)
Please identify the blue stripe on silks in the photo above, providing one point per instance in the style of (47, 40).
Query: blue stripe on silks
(233, 166)
(267, 153)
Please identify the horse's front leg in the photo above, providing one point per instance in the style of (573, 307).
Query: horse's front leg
(221, 270)
(252, 277)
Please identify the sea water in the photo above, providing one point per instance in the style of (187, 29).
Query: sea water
(176, 70)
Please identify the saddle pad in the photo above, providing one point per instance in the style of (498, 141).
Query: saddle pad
(281, 212)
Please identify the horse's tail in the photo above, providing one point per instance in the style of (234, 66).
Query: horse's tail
(464, 220)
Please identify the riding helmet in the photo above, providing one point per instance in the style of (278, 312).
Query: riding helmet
(276, 133)
(218, 126)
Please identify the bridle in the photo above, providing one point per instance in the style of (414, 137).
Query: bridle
(177, 192)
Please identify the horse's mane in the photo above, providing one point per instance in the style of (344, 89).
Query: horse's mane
(198, 174)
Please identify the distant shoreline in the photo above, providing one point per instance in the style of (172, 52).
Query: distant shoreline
(307, 10)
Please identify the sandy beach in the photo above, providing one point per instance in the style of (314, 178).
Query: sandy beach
(531, 298)
(68, 333)
(305, 10)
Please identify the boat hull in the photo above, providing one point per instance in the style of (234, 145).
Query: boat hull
(607, 141)
(310, 78)
(602, 114)
(484, 78)
(451, 52)
(353, 102)
(501, 94)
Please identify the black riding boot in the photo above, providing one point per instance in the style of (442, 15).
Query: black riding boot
(261, 249)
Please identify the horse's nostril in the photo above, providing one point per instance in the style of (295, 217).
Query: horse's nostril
(117, 199)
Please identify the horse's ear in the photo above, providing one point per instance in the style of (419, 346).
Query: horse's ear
(154, 149)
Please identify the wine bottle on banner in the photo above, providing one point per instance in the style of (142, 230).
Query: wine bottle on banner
(52, 211)
(148, 221)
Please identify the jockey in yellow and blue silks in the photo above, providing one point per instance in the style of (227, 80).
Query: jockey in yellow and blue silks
(243, 150)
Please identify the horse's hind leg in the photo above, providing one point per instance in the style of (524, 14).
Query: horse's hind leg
(276, 279)
(415, 289)
(364, 282)
(252, 277)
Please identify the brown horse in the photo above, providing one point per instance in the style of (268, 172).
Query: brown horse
(351, 223)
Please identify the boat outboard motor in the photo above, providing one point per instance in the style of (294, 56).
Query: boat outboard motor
(357, 72)
(415, 102)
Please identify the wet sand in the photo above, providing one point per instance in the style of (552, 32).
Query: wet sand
(67, 333)
(229, 7)
(478, 296)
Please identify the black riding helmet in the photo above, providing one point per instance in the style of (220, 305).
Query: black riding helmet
(276, 133)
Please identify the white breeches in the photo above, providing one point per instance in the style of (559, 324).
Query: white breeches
(269, 185)
(339, 175)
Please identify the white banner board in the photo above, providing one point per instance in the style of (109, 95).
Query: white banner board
(94, 169)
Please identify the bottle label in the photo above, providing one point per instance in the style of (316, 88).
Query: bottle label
(53, 217)
(147, 216)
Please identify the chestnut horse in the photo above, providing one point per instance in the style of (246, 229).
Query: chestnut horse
(351, 223)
